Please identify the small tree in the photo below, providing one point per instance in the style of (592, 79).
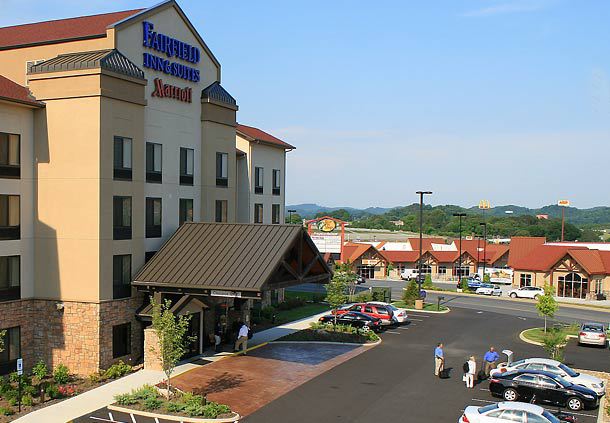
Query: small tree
(171, 335)
(345, 272)
(554, 342)
(464, 284)
(428, 281)
(411, 293)
(335, 290)
(486, 278)
(547, 306)
(389, 269)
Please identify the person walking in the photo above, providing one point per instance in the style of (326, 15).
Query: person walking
(242, 338)
(489, 359)
(439, 360)
(470, 368)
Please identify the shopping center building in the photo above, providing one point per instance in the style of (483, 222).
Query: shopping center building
(115, 131)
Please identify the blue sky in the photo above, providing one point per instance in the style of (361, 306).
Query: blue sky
(477, 99)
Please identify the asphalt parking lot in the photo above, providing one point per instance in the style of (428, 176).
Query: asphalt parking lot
(395, 380)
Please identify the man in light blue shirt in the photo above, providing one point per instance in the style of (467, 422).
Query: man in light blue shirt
(439, 359)
(490, 359)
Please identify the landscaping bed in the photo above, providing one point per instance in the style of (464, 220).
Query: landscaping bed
(327, 332)
(427, 306)
(182, 404)
(538, 335)
(42, 387)
(293, 308)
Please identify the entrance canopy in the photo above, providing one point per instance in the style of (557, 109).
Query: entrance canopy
(233, 260)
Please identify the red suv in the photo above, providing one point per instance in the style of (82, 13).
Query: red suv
(379, 311)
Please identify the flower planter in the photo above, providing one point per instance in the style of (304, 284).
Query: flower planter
(233, 419)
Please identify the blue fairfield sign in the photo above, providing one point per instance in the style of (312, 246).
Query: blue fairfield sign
(170, 47)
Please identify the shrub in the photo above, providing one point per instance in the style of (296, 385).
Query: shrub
(13, 377)
(6, 411)
(411, 294)
(61, 374)
(117, 370)
(27, 400)
(428, 282)
(52, 391)
(378, 296)
(554, 342)
(67, 390)
(145, 392)
(291, 303)
(95, 377)
(268, 312)
(464, 285)
(12, 401)
(40, 370)
(317, 298)
(486, 278)
(174, 407)
(125, 399)
(151, 403)
(363, 297)
(29, 389)
(212, 410)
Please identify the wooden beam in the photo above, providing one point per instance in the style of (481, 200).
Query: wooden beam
(290, 270)
(310, 265)
(300, 254)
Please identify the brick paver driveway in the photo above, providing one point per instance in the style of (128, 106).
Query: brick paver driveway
(246, 383)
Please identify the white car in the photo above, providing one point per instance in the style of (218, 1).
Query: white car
(526, 292)
(409, 274)
(488, 289)
(507, 412)
(400, 314)
(553, 366)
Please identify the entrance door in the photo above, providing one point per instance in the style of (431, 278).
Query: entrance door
(194, 333)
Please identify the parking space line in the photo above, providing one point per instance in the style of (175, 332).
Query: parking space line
(133, 418)
(403, 328)
(389, 331)
(417, 320)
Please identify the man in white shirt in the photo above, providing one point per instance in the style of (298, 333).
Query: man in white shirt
(242, 338)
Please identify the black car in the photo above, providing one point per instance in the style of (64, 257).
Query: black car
(542, 386)
(355, 319)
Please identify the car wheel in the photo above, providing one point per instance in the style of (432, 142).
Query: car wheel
(365, 329)
(536, 297)
(510, 394)
(574, 404)
(513, 295)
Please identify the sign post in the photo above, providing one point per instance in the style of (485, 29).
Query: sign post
(563, 204)
(19, 373)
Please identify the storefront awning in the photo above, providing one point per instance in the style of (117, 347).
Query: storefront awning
(233, 260)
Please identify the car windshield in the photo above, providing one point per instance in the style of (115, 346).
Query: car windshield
(562, 381)
(568, 371)
(550, 417)
(487, 408)
(592, 328)
(517, 363)
(393, 308)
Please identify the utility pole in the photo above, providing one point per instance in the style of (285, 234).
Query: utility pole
(484, 225)
(459, 272)
(421, 235)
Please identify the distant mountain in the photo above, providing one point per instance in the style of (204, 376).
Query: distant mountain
(309, 210)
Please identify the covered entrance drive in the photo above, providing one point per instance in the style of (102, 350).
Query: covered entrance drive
(219, 269)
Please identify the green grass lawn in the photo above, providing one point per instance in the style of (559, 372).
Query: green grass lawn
(537, 334)
(307, 296)
(307, 310)
(427, 306)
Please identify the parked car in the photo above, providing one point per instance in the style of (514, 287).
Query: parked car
(592, 334)
(526, 292)
(360, 280)
(511, 412)
(538, 385)
(355, 319)
(594, 383)
(489, 289)
(408, 274)
(400, 314)
(385, 313)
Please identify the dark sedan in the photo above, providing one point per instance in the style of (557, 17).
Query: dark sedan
(542, 386)
(355, 319)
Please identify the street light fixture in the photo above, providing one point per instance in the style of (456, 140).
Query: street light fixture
(421, 229)
(290, 216)
(484, 225)
(459, 272)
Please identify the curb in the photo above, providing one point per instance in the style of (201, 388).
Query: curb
(524, 300)
(529, 341)
(429, 311)
(369, 344)
(170, 417)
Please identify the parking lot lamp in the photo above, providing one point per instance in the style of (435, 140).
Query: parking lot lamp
(459, 272)
(421, 235)
(484, 225)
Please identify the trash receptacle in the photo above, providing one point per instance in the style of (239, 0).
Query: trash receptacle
(419, 304)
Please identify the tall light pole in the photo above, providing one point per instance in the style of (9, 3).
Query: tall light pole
(290, 216)
(421, 235)
(484, 225)
(563, 204)
(459, 272)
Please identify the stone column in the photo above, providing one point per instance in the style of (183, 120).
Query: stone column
(152, 359)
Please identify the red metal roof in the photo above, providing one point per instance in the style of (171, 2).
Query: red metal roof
(521, 246)
(60, 30)
(260, 135)
(541, 258)
(426, 243)
(401, 256)
(12, 91)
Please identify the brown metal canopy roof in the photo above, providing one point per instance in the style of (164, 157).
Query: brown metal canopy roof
(234, 256)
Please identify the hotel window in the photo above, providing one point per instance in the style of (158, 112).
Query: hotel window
(121, 340)
(222, 171)
(121, 276)
(154, 155)
(121, 219)
(122, 158)
(9, 217)
(187, 156)
(11, 351)
(186, 211)
(259, 180)
(276, 182)
(258, 213)
(525, 280)
(442, 270)
(9, 156)
(221, 211)
(10, 279)
(275, 214)
(153, 217)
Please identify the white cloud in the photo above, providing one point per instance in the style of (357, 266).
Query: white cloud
(506, 7)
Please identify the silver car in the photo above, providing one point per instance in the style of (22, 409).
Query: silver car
(507, 412)
(592, 334)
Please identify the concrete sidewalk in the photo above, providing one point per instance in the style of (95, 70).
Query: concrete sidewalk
(100, 397)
